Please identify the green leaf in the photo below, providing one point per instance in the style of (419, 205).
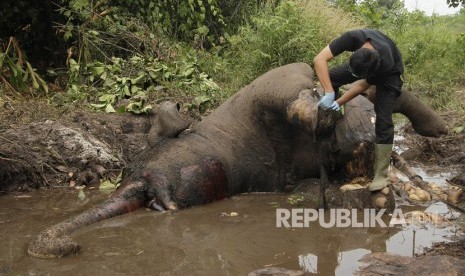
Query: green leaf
(104, 76)
(459, 129)
(35, 84)
(188, 72)
(138, 80)
(107, 187)
(93, 32)
(135, 89)
(13, 67)
(167, 75)
(67, 35)
(199, 100)
(107, 98)
(50, 72)
(97, 70)
(99, 106)
(126, 91)
(43, 84)
(81, 195)
(119, 178)
(109, 109)
(146, 108)
(2, 57)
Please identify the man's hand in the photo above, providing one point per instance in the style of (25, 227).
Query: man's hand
(335, 106)
(327, 100)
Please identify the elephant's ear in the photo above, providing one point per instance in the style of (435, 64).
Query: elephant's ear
(167, 123)
(303, 112)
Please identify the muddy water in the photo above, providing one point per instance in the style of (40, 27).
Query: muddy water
(197, 241)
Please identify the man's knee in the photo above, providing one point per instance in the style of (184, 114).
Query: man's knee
(384, 129)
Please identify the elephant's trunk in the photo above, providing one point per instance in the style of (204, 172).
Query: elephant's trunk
(424, 120)
(55, 242)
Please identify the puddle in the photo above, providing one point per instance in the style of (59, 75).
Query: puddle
(429, 174)
(434, 176)
(196, 241)
(403, 243)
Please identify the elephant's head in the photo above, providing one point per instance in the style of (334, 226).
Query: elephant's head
(304, 113)
(158, 192)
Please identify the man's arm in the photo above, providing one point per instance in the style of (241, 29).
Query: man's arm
(320, 63)
(358, 87)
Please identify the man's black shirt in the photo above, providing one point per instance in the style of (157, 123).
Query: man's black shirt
(391, 58)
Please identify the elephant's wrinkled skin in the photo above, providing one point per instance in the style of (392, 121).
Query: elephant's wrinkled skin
(261, 135)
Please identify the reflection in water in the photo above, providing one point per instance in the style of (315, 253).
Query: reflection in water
(196, 241)
(442, 209)
(348, 261)
(437, 177)
(309, 263)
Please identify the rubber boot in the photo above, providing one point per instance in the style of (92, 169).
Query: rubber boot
(382, 159)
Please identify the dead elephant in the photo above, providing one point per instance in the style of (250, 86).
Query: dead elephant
(261, 136)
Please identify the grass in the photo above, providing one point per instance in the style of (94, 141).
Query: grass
(294, 31)
(433, 50)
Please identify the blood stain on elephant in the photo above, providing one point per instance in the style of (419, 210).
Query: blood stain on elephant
(202, 183)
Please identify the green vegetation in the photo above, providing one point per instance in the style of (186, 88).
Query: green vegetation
(17, 74)
(294, 31)
(115, 55)
(434, 55)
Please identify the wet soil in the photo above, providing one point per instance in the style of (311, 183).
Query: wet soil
(446, 154)
(41, 145)
(454, 249)
(448, 150)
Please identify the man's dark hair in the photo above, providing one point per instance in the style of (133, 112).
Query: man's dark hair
(362, 61)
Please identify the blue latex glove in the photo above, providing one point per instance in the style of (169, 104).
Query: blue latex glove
(327, 100)
(335, 106)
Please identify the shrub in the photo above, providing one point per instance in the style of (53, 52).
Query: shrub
(293, 31)
(433, 54)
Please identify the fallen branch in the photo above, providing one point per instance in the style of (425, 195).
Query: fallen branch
(402, 165)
